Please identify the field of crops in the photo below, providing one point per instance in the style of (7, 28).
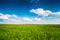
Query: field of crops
(29, 32)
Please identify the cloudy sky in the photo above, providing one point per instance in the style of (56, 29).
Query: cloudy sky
(30, 11)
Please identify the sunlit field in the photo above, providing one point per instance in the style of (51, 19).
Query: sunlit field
(29, 32)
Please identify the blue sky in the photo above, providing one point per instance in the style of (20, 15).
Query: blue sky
(30, 11)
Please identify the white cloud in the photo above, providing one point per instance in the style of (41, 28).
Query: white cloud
(7, 18)
(37, 19)
(14, 19)
(3, 16)
(15, 16)
(57, 13)
(41, 12)
(27, 19)
(48, 17)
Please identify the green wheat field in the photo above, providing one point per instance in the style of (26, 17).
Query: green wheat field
(29, 32)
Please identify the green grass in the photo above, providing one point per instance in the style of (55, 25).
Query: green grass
(29, 32)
